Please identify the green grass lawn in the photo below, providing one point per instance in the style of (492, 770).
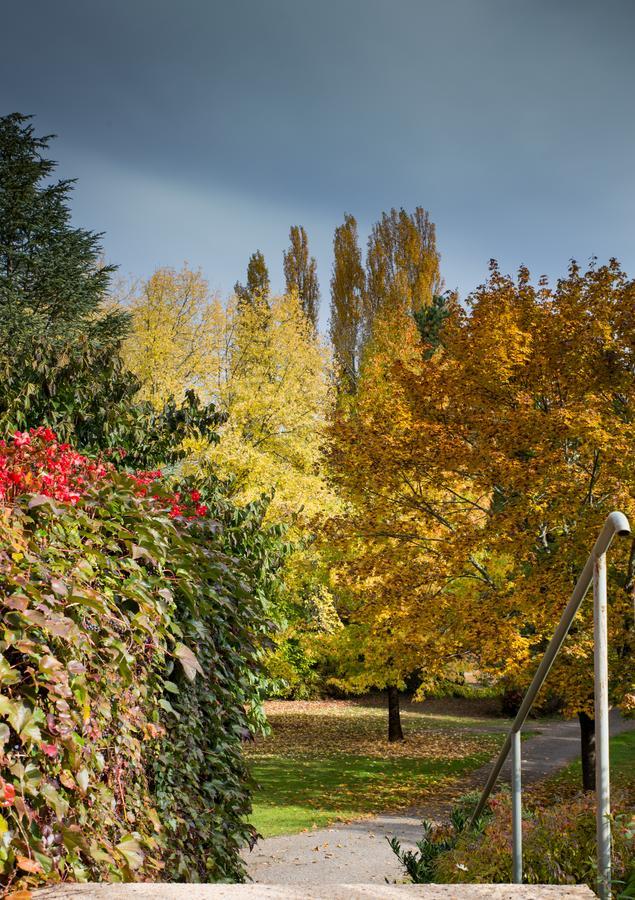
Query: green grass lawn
(295, 794)
(568, 782)
(326, 762)
(622, 757)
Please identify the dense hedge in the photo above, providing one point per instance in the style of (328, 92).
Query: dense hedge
(132, 618)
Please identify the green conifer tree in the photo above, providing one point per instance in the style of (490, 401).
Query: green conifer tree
(58, 339)
(60, 336)
(51, 277)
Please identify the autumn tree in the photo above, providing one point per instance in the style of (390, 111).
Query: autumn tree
(267, 373)
(389, 575)
(512, 442)
(347, 303)
(402, 263)
(272, 383)
(300, 272)
(261, 365)
(172, 319)
(402, 275)
(257, 287)
(544, 393)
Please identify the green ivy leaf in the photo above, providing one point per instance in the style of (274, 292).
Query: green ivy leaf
(130, 848)
(188, 660)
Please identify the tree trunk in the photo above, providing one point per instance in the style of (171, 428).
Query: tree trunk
(395, 732)
(587, 751)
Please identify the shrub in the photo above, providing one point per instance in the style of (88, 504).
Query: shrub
(291, 669)
(436, 840)
(132, 619)
(558, 846)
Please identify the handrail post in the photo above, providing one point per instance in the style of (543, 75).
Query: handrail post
(517, 828)
(602, 788)
(594, 571)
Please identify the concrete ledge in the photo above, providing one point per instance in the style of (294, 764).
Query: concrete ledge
(312, 892)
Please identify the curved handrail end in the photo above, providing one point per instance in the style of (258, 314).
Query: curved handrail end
(619, 523)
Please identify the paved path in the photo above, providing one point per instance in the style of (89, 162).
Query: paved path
(358, 852)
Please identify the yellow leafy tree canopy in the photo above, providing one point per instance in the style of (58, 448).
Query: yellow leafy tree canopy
(480, 468)
(262, 364)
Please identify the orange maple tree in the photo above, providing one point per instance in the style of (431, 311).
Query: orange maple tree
(480, 461)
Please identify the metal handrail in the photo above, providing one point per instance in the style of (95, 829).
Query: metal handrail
(594, 571)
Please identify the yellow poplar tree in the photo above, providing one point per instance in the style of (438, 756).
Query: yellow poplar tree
(390, 532)
(272, 381)
(261, 364)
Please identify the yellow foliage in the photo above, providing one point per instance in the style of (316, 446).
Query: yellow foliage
(272, 380)
(262, 365)
(174, 320)
(480, 474)
(387, 568)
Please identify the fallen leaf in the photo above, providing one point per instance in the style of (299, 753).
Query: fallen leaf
(28, 865)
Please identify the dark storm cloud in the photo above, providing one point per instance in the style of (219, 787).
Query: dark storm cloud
(203, 129)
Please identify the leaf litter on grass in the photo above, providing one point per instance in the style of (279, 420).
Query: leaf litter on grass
(332, 760)
(327, 728)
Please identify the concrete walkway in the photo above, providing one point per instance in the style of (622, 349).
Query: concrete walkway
(358, 852)
(311, 892)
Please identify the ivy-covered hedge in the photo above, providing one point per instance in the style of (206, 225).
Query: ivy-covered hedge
(132, 620)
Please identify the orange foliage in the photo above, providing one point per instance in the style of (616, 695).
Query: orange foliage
(479, 474)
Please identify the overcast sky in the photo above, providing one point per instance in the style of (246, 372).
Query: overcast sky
(202, 129)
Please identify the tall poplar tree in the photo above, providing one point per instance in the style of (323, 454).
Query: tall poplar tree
(402, 263)
(300, 272)
(257, 287)
(347, 298)
(379, 320)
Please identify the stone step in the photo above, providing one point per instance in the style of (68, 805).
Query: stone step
(313, 892)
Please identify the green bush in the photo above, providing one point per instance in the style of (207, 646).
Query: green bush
(129, 659)
(437, 840)
(200, 779)
(558, 846)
